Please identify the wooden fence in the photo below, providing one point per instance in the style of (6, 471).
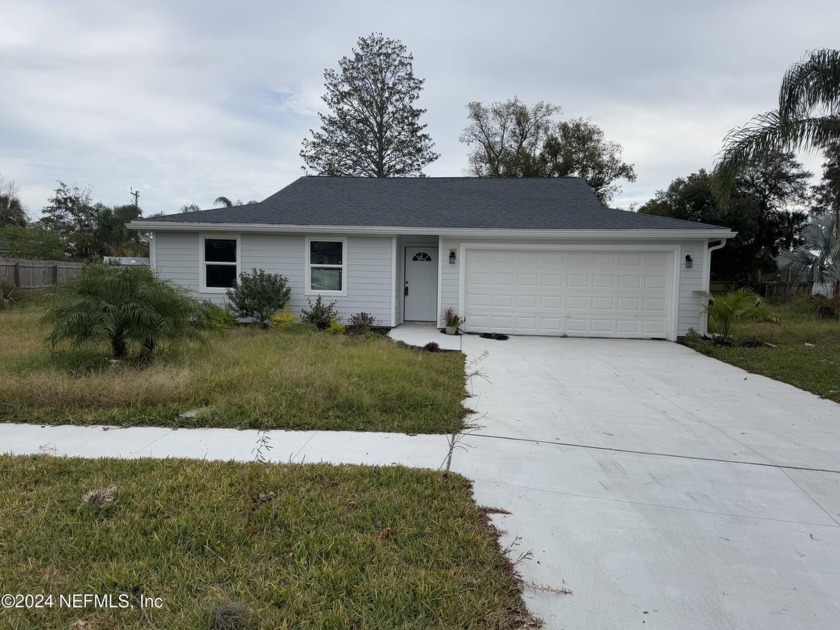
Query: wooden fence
(33, 274)
(786, 290)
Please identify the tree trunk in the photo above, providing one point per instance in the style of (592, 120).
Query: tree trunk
(147, 350)
(118, 348)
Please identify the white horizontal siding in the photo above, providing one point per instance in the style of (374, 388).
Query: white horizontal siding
(449, 277)
(370, 282)
(176, 258)
(691, 281)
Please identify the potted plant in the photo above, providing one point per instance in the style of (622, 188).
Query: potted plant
(452, 320)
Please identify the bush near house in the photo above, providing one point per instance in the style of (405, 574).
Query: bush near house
(319, 313)
(259, 294)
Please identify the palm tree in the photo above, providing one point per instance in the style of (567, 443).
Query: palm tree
(817, 260)
(124, 306)
(222, 201)
(808, 117)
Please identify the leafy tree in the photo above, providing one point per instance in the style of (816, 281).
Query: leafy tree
(817, 259)
(11, 208)
(225, 202)
(759, 210)
(512, 139)
(807, 116)
(578, 147)
(114, 237)
(827, 192)
(72, 214)
(507, 137)
(259, 294)
(34, 243)
(190, 207)
(126, 306)
(373, 128)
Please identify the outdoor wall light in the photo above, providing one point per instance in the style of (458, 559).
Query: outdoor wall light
(689, 263)
(451, 256)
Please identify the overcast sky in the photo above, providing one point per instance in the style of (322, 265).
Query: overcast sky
(188, 100)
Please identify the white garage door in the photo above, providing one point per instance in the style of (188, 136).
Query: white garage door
(577, 293)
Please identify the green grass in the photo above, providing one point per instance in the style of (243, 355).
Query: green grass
(337, 547)
(295, 379)
(814, 368)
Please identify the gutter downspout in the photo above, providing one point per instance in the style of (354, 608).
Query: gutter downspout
(707, 274)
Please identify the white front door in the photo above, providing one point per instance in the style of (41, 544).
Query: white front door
(421, 266)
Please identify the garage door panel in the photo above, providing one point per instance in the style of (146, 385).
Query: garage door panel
(628, 304)
(603, 281)
(628, 327)
(553, 292)
(577, 302)
(577, 280)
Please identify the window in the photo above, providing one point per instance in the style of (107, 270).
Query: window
(220, 264)
(326, 265)
(422, 257)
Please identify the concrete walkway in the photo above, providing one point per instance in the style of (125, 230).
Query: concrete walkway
(337, 447)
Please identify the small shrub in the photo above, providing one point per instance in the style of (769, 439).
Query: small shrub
(697, 342)
(220, 318)
(431, 347)
(336, 327)
(125, 306)
(451, 317)
(319, 314)
(283, 319)
(361, 323)
(725, 310)
(259, 294)
(825, 307)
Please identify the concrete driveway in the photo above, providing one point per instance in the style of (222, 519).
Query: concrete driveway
(662, 488)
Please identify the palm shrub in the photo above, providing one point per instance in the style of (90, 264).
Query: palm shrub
(126, 306)
(724, 310)
(259, 294)
(817, 259)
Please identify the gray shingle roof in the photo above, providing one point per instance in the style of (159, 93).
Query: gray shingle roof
(565, 203)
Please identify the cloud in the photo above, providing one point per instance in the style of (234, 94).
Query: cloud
(187, 101)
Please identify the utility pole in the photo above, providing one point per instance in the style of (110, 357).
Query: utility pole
(136, 195)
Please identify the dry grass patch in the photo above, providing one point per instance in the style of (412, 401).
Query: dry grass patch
(315, 556)
(294, 378)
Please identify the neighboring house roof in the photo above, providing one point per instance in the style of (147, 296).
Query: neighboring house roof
(556, 203)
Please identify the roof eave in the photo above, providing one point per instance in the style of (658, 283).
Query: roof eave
(660, 233)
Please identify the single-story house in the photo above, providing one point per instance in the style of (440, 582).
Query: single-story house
(537, 256)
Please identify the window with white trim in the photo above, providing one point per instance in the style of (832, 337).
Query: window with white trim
(220, 261)
(326, 263)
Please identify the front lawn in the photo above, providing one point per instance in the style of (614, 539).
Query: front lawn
(294, 378)
(311, 546)
(807, 352)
